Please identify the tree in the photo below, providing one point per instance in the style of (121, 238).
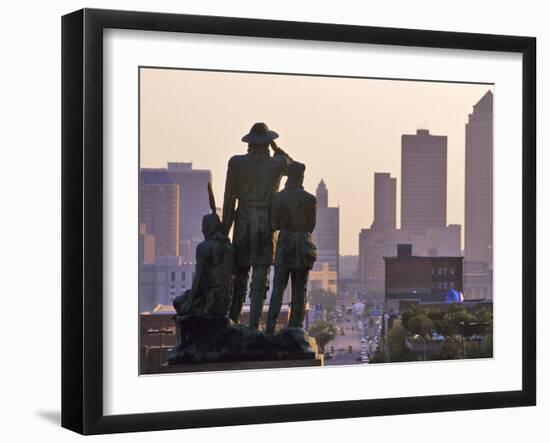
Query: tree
(420, 324)
(325, 298)
(397, 348)
(323, 332)
(378, 357)
(451, 349)
(454, 321)
(486, 347)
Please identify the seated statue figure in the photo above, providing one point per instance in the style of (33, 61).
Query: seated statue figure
(211, 293)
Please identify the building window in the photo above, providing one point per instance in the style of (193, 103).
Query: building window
(183, 276)
(452, 270)
(172, 276)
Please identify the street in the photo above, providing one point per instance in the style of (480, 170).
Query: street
(354, 332)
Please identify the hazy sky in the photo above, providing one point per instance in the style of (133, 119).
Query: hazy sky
(343, 129)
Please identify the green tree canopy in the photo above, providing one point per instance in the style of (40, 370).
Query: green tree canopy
(324, 332)
(418, 323)
(454, 320)
(451, 348)
(397, 348)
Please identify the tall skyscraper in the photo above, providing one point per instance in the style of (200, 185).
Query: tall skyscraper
(423, 181)
(327, 232)
(382, 238)
(194, 204)
(159, 211)
(322, 194)
(478, 217)
(384, 201)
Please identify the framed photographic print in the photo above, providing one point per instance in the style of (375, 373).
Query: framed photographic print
(269, 221)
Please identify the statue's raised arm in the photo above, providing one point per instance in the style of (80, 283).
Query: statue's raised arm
(279, 151)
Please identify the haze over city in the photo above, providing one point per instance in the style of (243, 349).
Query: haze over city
(343, 129)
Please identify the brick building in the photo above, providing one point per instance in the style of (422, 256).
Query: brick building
(426, 279)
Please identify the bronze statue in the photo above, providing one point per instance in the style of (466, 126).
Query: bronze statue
(212, 289)
(294, 214)
(252, 179)
(204, 331)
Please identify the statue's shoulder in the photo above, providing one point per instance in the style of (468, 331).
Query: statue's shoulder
(203, 248)
(218, 240)
(309, 197)
(237, 159)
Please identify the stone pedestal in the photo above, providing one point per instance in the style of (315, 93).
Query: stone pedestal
(229, 366)
(206, 341)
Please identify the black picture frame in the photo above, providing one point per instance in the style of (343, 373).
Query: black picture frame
(82, 217)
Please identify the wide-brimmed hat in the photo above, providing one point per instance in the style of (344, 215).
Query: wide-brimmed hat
(260, 134)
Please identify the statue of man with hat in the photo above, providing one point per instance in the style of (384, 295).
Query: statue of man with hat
(252, 179)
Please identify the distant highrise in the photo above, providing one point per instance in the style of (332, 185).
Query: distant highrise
(423, 181)
(438, 242)
(348, 267)
(327, 232)
(146, 249)
(382, 238)
(384, 201)
(159, 211)
(322, 194)
(160, 282)
(193, 202)
(323, 279)
(478, 216)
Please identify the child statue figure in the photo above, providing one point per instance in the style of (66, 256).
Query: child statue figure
(293, 212)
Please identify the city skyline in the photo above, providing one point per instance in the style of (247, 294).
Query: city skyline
(366, 141)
